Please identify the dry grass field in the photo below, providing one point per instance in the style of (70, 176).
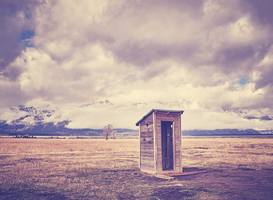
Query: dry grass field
(236, 168)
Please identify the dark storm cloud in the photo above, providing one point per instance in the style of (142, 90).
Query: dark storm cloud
(194, 7)
(142, 51)
(229, 57)
(233, 56)
(240, 57)
(12, 72)
(260, 11)
(10, 49)
(266, 77)
(144, 54)
(15, 19)
(121, 41)
(262, 16)
(11, 94)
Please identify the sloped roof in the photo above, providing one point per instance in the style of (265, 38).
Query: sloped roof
(158, 110)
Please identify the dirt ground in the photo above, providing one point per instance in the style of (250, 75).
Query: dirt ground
(211, 184)
(99, 169)
(221, 184)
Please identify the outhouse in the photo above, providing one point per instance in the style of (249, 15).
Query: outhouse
(160, 142)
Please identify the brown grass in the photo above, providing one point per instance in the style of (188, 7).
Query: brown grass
(253, 153)
(100, 169)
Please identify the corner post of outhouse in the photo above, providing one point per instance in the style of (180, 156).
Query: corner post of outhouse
(154, 135)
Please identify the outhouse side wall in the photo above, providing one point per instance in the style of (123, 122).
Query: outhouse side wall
(176, 119)
(147, 145)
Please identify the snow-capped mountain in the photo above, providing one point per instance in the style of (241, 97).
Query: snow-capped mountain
(96, 104)
(47, 120)
(40, 120)
(31, 115)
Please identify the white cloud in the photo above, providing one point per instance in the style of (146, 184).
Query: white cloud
(142, 55)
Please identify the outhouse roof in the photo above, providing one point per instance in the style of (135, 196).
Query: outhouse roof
(159, 110)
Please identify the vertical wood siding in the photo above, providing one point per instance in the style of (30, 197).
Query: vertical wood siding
(147, 144)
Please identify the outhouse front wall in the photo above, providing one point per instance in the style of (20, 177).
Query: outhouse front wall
(146, 161)
(176, 119)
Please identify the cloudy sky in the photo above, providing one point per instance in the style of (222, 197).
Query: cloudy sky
(96, 62)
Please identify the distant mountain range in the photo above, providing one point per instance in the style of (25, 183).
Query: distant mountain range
(59, 129)
(226, 132)
(34, 121)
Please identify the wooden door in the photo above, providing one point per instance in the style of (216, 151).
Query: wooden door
(167, 145)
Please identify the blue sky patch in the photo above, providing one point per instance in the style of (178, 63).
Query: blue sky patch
(244, 80)
(27, 34)
(25, 37)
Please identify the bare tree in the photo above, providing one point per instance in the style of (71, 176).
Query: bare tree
(114, 134)
(107, 130)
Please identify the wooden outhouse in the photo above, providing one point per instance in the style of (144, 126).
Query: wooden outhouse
(160, 142)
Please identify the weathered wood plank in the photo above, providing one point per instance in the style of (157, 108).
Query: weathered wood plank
(148, 164)
(147, 160)
(148, 142)
(144, 154)
(146, 134)
(146, 145)
(146, 150)
(150, 151)
(146, 138)
(147, 154)
(148, 157)
(147, 167)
